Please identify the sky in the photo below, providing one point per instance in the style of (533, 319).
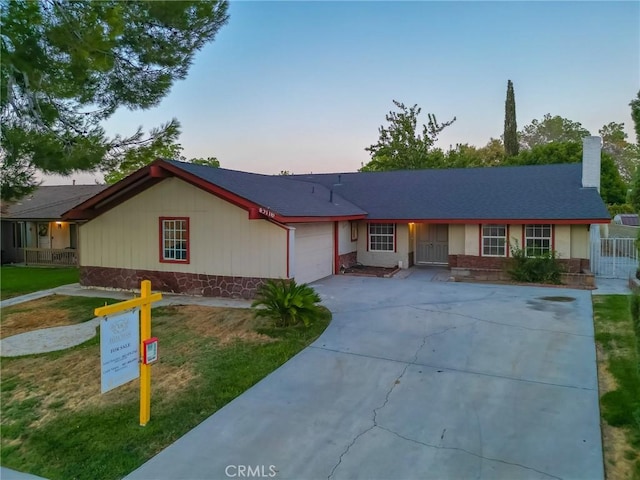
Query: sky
(305, 86)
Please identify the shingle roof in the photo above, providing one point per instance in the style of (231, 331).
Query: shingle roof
(285, 195)
(51, 201)
(552, 192)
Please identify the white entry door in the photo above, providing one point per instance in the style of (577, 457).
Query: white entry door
(313, 251)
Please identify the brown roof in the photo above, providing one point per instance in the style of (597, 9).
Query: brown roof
(50, 201)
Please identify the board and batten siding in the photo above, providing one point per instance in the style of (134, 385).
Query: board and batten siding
(222, 240)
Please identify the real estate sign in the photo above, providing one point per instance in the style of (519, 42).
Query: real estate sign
(119, 349)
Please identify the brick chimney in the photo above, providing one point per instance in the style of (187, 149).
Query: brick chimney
(591, 147)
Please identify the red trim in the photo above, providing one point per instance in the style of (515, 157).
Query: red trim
(480, 253)
(161, 246)
(368, 231)
(507, 240)
(553, 237)
(288, 251)
(522, 230)
(501, 221)
(284, 219)
(395, 238)
(336, 247)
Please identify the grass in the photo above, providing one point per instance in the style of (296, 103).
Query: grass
(51, 311)
(16, 281)
(56, 424)
(619, 385)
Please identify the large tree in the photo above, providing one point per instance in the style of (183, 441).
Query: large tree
(612, 188)
(401, 146)
(551, 129)
(635, 116)
(511, 145)
(68, 65)
(625, 154)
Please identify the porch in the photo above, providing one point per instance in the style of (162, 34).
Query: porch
(50, 256)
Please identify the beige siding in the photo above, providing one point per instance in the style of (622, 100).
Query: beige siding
(456, 239)
(384, 259)
(345, 245)
(223, 241)
(562, 239)
(471, 236)
(580, 241)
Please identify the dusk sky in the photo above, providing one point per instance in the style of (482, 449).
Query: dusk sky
(304, 86)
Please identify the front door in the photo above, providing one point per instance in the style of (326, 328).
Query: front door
(432, 243)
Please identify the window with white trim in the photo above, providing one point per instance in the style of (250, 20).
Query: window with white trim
(382, 237)
(494, 240)
(537, 239)
(174, 242)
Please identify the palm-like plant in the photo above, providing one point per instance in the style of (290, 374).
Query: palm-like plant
(287, 303)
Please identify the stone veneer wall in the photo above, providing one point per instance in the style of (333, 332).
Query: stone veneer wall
(572, 265)
(347, 260)
(172, 282)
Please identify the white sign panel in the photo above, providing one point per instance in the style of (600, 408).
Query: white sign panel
(119, 349)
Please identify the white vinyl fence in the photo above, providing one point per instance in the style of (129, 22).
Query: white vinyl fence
(614, 257)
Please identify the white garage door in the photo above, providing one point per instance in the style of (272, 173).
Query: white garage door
(313, 251)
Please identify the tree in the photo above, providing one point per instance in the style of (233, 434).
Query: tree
(551, 129)
(511, 145)
(68, 65)
(135, 159)
(635, 116)
(612, 189)
(625, 154)
(400, 146)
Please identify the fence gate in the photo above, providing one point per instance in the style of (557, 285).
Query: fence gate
(614, 257)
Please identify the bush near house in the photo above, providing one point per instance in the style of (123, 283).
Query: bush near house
(287, 303)
(543, 268)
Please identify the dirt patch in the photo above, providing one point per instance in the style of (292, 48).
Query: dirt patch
(366, 271)
(225, 324)
(40, 314)
(614, 440)
(71, 382)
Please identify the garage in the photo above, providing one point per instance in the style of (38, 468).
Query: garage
(313, 251)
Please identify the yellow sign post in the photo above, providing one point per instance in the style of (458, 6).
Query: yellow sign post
(144, 302)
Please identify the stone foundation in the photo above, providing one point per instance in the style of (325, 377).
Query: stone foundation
(172, 282)
(348, 260)
(469, 267)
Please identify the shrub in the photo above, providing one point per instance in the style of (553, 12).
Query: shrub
(543, 268)
(635, 320)
(619, 208)
(287, 303)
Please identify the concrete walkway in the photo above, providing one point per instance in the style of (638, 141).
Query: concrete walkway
(416, 379)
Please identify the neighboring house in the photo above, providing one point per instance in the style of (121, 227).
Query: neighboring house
(628, 219)
(211, 231)
(33, 230)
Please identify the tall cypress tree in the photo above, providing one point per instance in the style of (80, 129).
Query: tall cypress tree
(511, 146)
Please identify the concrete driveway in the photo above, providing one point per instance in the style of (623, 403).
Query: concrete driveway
(416, 379)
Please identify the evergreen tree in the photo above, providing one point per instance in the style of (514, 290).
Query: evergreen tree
(67, 66)
(511, 145)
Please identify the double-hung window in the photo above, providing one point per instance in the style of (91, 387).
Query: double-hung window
(382, 237)
(537, 239)
(174, 239)
(494, 240)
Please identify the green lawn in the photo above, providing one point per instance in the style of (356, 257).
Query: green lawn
(16, 281)
(56, 424)
(620, 406)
